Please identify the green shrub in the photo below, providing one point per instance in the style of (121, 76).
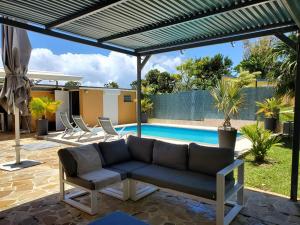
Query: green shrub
(262, 140)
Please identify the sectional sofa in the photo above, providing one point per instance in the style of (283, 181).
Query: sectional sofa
(136, 168)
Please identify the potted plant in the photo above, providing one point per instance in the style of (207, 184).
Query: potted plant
(262, 140)
(147, 106)
(286, 116)
(270, 108)
(228, 99)
(40, 108)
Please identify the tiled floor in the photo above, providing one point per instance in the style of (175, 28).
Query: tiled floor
(30, 197)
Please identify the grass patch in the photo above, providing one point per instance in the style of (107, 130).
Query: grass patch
(274, 175)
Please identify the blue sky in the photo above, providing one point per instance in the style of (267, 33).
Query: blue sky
(99, 66)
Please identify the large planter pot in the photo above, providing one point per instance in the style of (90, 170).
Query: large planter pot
(41, 127)
(288, 128)
(271, 124)
(144, 118)
(227, 137)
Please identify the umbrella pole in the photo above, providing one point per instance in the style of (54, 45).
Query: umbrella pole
(17, 134)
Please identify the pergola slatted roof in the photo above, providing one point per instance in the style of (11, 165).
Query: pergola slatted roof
(141, 27)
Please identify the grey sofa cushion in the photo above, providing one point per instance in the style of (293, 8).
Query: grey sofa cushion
(129, 166)
(140, 149)
(101, 178)
(180, 180)
(209, 160)
(114, 152)
(68, 161)
(170, 155)
(122, 173)
(87, 159)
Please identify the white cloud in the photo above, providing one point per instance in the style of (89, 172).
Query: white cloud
(98, 69)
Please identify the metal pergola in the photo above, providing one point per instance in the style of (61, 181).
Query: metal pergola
(144, 27)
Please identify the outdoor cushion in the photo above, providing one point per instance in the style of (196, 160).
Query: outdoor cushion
(140, 148)
(180, 180)
(68, 161)
(122, 173)
(101, 178)
(87, 158)
(209, 160)
(129, 166)
(114, 152)
(96, 179)
(170, 155)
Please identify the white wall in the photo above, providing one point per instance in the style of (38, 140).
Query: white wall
(111, 105)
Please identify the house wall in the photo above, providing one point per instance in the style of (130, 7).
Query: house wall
(127, 110)
(91, 105)
(38, 94)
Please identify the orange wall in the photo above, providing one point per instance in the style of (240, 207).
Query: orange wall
(38, 94)
(127, 110)
(91, 105)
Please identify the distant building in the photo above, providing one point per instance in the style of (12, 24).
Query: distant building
(89, 102)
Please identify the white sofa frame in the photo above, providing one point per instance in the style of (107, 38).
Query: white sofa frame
(128, 189)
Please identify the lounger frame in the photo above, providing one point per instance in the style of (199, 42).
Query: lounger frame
(128, 189)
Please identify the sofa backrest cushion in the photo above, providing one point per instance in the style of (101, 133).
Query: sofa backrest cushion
(209, 160)
(114, 152)
(69, 162)
(170, 155)
(140, 149)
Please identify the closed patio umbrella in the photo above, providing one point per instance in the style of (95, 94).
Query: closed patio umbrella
(15, 93)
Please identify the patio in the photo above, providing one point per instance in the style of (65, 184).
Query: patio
(30, 196)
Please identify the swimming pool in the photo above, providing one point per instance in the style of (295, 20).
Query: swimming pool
(178, 133)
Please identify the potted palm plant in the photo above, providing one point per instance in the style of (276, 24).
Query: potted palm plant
(147, 106)
(228, 99)
(40, 108)
(270, 108)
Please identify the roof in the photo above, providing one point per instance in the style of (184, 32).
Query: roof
(46, 75)
(143, 27)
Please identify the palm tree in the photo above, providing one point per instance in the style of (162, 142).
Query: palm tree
(287, 57)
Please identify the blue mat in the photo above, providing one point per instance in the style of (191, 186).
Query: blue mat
(118, 218)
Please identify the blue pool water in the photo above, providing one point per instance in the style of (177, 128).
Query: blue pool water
(184, 134)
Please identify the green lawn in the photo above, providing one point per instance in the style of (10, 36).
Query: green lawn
(273, 176)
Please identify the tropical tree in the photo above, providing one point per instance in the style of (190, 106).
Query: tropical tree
(41, 107)
(228, 96)
(262, 141)
(72, 84)
(287, 58)
(257, 57)
(111, 85)
(202, 73)
(270, 107)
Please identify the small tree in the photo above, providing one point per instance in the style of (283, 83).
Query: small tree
(228, 96)
(270, 107)
(72, 84)
(147, 105)
(262, 140)
(40, 107)
(111, 85)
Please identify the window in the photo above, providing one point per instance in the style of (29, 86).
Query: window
(127, 98)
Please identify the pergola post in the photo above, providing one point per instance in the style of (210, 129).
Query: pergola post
(296, 135)
(140, 65)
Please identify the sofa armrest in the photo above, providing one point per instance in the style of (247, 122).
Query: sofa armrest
(228, 169)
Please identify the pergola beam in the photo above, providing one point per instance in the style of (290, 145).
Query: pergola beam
(296, 135)
(218, 40)
(287, 41)
(64, 36)
(140, 65)
(84, 13)
(293, 8)
(183, 19)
